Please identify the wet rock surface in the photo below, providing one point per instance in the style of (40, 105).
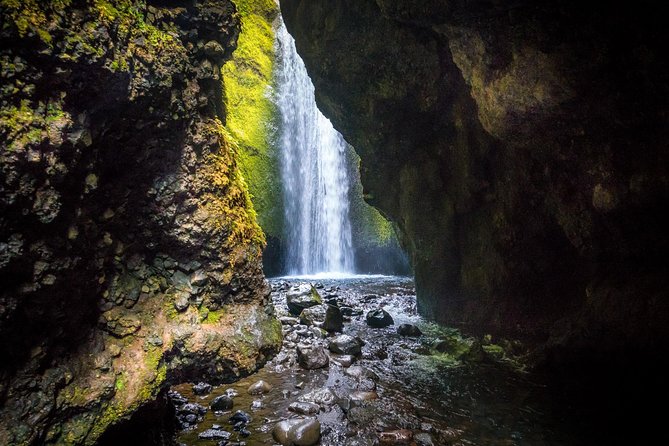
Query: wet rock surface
(397, 390)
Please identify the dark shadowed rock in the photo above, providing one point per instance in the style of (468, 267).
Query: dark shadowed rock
(202, 388)
(220, 403)
(379, 318)
(409, 330)
(240, 417)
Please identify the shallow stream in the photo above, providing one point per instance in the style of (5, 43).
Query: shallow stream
(442, 398)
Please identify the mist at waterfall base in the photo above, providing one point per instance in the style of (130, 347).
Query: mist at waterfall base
(320, 180)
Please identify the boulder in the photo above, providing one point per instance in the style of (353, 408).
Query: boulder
(312, 357)
(379, 318)
(220, 403)
(202, 388)
(259, 387)
(304, 296)
(327, 317)
(297, 432)
(345, 345)
(409, 330)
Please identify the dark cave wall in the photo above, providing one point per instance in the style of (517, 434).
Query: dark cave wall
(520, 148)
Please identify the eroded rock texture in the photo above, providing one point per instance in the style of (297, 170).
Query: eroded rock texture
(520, 147)
(129, 252)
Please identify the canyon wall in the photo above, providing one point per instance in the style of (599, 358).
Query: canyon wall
(521, 150)
(130, 256)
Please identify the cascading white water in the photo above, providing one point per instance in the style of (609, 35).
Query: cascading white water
(314, 171)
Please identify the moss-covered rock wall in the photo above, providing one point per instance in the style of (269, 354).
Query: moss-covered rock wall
(251, 115)
(521, 151)
(130, 255)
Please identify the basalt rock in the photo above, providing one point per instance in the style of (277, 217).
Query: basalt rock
(129, 253)
(520, 149)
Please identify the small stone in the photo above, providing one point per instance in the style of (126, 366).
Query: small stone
(259, 387)
(214, 434)
(298, 432)
(286, 320)
(334, 321)
(240, 417)
(312, 357)
(423, 439)
(343, 360)
(202, 388)
(409, 330)
(345, 345)
(256, 405)
(360, 395)
(304, 408)
(398, 437)
(322, 397)
(282, 431)
(231, 392)
(306, 433)
(379, 318)
(181, 300)
(193, 408)
(221, 403)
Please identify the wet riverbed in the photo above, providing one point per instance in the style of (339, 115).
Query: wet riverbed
(461, 391)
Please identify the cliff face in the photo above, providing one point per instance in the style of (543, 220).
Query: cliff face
(129, 252)
(521, 150)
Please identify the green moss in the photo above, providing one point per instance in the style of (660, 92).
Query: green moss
(33, 16)
(250, 113)
(27, 124)
(120, 383)
(226, 200)
(214, 316)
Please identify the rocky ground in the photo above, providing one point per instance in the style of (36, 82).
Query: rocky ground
(359, 367)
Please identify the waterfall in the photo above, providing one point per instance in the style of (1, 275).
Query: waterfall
(314, 173)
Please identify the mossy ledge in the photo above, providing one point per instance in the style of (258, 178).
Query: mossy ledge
(130, 254)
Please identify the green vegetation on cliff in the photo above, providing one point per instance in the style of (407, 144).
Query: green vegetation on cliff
(250, 112)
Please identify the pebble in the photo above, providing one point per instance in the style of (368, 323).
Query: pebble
(409, 330)
(398, 437)
(304, 408)
(312, 357)
(298, 432)
(259, 388)
(379, 318)
(256, 405)
(214, 434)
(221, 403)
(240, 416)
(360, 395)
(202, 388)
(345, 345)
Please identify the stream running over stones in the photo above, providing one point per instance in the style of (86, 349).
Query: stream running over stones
(429, 386)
